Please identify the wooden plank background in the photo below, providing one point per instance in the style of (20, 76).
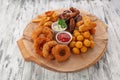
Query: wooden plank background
(14, 16)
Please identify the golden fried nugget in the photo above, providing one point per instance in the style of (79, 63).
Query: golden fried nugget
(76, 50)
(86, 20)
(83, 28)
(88, 24)
(78, 44)
(76, 34)
(83, 49)
(80, 38)
(79, 23)
(86, 34)
(87, 43)
(72, 44)
(76, 31)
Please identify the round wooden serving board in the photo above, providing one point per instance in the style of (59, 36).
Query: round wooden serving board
(75, 62)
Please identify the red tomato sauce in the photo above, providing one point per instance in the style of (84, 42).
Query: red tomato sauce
(63, 37)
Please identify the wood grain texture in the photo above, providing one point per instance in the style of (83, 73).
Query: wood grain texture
(15, 14)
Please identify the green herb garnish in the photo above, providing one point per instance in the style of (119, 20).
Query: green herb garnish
(62, 23)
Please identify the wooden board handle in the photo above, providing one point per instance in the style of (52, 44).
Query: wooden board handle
(26, 55)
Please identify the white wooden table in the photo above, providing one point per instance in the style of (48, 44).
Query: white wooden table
(14, 16)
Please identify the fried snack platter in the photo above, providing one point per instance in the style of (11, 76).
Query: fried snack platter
(75, 62)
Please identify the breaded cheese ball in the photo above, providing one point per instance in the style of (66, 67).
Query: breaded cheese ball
(72, 44)
(80, 38)
(76, 34)
(76, 50)
(87, 43)
(78, 44)
(83, 49)
(86, 34)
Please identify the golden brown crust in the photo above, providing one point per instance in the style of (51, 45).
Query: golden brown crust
(61, 52)
(42, 32)
(47, 49)
(38, 45)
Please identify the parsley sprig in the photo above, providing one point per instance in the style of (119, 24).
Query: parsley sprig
(62, 23)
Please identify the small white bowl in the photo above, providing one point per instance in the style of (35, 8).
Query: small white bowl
(66, 43)
(55, 24)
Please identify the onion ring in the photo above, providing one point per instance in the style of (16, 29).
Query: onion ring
(38, 45)
(61, 52)
(47, 49)
(42, 32)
